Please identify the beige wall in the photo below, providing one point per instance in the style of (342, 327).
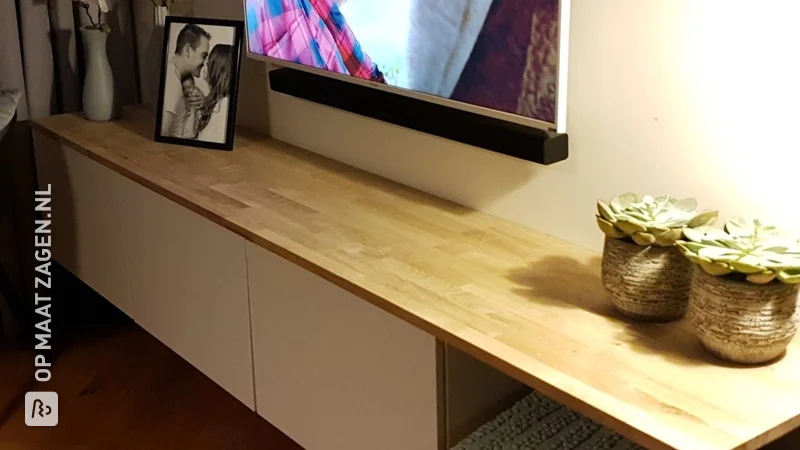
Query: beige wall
(691, 97)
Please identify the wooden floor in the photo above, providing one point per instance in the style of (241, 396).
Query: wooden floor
(119, 388)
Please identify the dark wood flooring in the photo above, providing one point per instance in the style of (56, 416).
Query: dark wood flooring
(119, 388)
(122, 389)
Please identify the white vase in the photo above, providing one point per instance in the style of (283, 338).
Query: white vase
(160, 14)
(98, 85)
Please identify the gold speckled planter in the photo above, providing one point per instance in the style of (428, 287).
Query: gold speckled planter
(740, 321)
(646, 283)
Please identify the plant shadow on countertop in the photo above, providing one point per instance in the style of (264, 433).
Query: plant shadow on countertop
(568, 283)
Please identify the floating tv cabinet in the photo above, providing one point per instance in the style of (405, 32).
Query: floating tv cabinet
(356, 313)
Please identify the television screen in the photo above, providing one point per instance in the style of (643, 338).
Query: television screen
(497, 54)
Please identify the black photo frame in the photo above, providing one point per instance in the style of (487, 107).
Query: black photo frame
(212, 136)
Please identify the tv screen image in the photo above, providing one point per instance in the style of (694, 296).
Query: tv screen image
(497, 54)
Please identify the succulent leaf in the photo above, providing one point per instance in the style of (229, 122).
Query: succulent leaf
(762, 278)
(716, 268)
(728, 258)
(715, 252)
(628, 198)
(705, 218)
(643, 238)
(693, 257)
(739, 227)
(745, 268)
(694, 234)
(605, 211)
(748, 247)
(631, 226)
(705, 234)
(655, 229)
(686, 205)
(616, 206)
(693, 247)
(790, 276)
(661, 221)
(609, 229)
(668, 237)
(639, 216)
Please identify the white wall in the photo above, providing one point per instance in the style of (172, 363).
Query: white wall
(689, 97)
(692, 97)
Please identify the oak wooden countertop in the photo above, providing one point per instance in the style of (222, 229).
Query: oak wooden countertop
(526, 303)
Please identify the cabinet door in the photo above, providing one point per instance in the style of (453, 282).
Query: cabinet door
(334, 372)
(88, 236)
(189, 288)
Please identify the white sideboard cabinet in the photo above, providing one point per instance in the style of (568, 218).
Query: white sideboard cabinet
(178, 275)
(329, 369)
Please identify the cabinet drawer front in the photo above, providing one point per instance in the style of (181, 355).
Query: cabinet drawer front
(189, 288)
(88, 236)
(334, 372)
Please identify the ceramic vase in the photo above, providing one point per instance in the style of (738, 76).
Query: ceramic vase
(98, 85)
(160, 14)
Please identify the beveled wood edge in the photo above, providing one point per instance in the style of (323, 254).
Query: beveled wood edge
(772, 435)
(557, 394)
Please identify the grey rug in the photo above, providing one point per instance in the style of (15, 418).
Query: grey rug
(539, 423)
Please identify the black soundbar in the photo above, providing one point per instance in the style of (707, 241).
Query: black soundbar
(508, 138)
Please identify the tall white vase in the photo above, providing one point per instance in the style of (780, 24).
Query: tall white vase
(98, 85)
(160, 15)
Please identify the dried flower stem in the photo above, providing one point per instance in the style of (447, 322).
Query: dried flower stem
(89, 15)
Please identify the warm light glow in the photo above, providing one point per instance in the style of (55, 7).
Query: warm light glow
(741, 70)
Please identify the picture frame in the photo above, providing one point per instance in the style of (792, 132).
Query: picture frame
(199, 82)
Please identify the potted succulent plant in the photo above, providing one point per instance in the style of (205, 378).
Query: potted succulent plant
(642, 269)
(743, 301)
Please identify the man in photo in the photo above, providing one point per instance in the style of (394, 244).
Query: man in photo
(191, 52)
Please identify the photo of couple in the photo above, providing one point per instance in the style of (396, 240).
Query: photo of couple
(199, 80)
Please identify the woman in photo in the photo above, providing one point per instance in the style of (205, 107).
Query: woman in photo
(213, 115)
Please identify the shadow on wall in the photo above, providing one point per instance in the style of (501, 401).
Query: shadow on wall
(69, 99)
(253, 109)
(149, 43)
(120, 48)
(150, 65)
(475, 177)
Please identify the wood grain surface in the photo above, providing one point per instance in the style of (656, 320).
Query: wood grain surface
(528, 304)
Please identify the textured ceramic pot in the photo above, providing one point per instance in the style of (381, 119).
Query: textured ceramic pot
(98, 85)
(740, 321)
(646, 283)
